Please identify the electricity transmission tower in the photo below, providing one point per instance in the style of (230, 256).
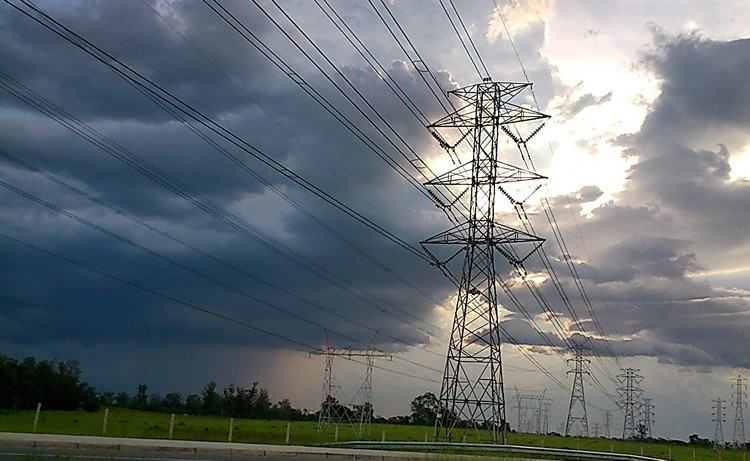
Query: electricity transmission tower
(647, 418)
(545, 415)
(607, 423)
(577, 409)
(472, 393)
(526, 406)
(740, 393)
(630, 399)
(719, 415)
(332, 410)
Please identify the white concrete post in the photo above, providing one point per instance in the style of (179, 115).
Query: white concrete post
(231, 429)
(336, 434)
(171, 426)
(104, 423)
(425, 437)
(36, 416)
(382, 438)
(288, 433)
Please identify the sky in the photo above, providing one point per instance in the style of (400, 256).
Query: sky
(646, 153)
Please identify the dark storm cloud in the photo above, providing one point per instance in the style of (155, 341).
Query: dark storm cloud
(162, 48)
(355, 273)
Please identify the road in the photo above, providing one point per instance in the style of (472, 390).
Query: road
(17, 446)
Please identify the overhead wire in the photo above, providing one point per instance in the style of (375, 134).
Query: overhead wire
(160, 96)
(205, 253)
(187, 304)
(153, 173)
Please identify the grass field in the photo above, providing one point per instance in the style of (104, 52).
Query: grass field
(130, 423)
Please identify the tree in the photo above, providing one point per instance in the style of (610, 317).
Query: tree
(212, 402)
(141, 397)
(122, 399)
(193, 404)
(424, 409)
(173, 403)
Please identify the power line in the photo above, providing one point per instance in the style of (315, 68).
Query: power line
(175, 109)
(192, 247)
(468, 35)
(184, 303)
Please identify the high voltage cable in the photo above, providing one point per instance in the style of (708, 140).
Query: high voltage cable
(536, 102)
(419, 61)
(122, 239)
(177, 107)
(326, 227)
(187, 304)
(371, 60)
(239, 27)
(460, 38)
(416, 161)
(131, 75)
(194, 198)
(574, 273)
(538, 295)
(204, 253)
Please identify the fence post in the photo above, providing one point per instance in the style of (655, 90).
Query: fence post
(231, 429)
(670, 453)
(383, 436)
(463, 438)
(171, 426)
(612, 448)
(36, 416)
(641, 450)
(336, 434)
(693, 454)
(104, 423)
(288, 432)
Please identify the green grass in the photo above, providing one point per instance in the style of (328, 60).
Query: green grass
(130, 423)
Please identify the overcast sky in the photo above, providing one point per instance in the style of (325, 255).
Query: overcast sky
(647, 154)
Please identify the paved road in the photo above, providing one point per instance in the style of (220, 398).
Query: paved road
(16, 446)
(26, 453)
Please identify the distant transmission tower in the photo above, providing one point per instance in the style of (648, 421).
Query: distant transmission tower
(719, 415)
(472, 393)
(647, 418)
(630, 400)
(740, 393)
(607, 424)
(545, 415)
(332, 410)
(577, 417)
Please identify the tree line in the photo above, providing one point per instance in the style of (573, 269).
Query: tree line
(58, 386)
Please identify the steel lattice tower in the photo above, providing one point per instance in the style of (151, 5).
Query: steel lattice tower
(630, 400)
(739, 402)
(607, 423)
(647, 418)
(331, 409)
(546, 415)
(472, 393)
(577, 409)
(719, 415)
